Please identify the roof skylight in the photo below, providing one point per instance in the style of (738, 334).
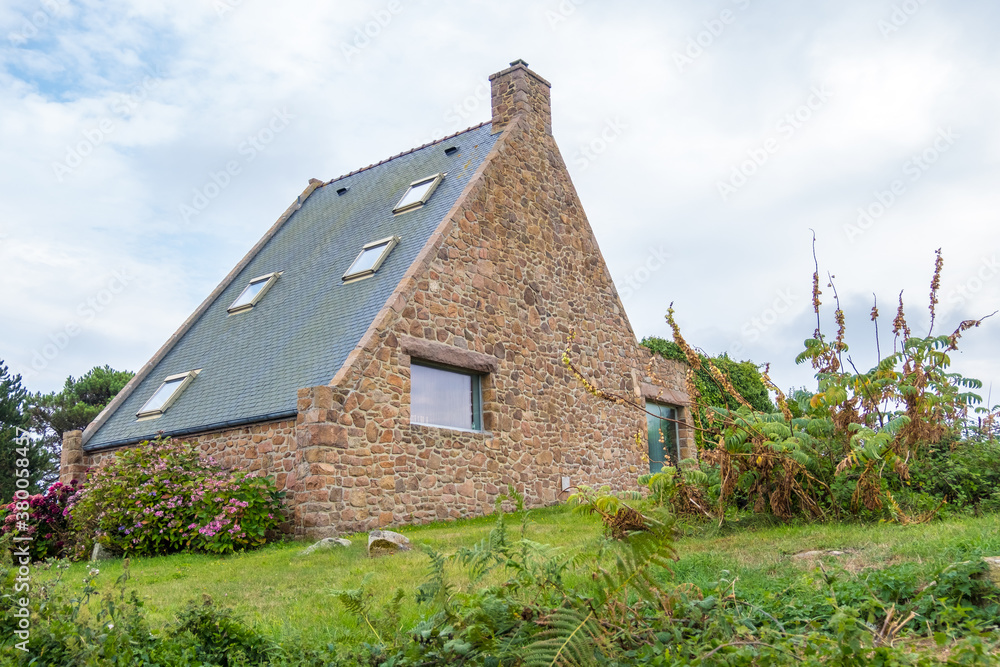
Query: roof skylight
(253, 292)
(167, 393)
(371, 257)
(418, 193)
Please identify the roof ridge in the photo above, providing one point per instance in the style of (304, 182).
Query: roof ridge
(412, 150)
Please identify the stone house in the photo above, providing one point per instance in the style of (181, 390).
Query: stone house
(391, 350)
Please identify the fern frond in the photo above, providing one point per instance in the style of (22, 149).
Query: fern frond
(357, 601)
(569, 639)
(572, 634)
(436, 588)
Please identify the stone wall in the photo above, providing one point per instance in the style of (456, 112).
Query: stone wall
(267, 448)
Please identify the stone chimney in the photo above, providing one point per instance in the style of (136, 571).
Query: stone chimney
(519, 91)
(71, 462)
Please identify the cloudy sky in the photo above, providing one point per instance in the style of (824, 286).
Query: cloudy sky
(706, 139)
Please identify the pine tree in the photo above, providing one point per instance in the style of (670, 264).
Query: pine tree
(79, 402)
(15, 441)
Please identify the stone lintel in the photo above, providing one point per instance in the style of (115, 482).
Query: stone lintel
(651, 392)
(449, 355)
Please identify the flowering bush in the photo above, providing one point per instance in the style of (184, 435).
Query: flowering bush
(163, 496)
(42, 517)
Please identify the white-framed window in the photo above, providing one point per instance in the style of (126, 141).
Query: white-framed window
(370, 258)
(253, 292)
(445, 397)
(418, 193)
(166, 394)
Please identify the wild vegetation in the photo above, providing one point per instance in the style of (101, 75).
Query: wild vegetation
(902, 441)
(743, 375)
(481, 590)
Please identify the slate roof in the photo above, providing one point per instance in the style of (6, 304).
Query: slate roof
(301, 332)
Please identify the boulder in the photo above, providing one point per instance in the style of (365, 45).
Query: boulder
(101, 552)
(993, 562)
(325, 544)
(383, 542)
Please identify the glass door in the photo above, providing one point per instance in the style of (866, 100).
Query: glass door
(662, 436)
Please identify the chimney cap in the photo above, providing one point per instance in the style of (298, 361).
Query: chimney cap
(518, 62)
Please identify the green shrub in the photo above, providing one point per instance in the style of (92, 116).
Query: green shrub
(163, 496)
(965, 473)
(551, 609)
(219, 637)
(68, 629)
(64, 632)
(624, 606)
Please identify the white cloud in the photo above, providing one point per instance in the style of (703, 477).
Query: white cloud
(184, 86)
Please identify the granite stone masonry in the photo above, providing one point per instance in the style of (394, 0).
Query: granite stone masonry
(510, 275)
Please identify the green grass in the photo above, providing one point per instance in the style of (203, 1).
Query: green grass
(762, 559)
(287, 596)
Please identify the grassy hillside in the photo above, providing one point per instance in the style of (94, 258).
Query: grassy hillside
(287, 596)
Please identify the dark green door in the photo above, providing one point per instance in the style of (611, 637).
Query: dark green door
(662, 436)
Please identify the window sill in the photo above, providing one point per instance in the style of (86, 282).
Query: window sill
(485, 434)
